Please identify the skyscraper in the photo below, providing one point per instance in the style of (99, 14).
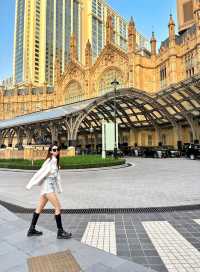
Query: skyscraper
(43, 29)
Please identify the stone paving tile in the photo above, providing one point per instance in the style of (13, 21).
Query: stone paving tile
(12, 259)
(99, 267)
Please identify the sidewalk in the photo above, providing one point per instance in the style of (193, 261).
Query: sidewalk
(15, 248)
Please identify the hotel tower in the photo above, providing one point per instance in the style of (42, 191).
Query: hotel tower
(43, 29)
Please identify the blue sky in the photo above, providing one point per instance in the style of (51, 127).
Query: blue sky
(147, 14)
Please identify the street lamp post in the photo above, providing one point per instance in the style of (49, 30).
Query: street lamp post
(115, 83)
(91, 131)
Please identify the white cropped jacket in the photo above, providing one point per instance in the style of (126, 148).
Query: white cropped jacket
(46, 169)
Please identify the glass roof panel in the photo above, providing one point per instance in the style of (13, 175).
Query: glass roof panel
(157, 114)
(195, 89)
(162, 102)
(141, 117)
(184, 93)
(187, 105)
(177, 96)
(196, 104)
(171, 110)
(136, 110)
(133, 118)
(139, 101)
(128, 111)
(148, 107)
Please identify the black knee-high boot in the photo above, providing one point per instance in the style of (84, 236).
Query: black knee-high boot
(61, 234)
(32, 231)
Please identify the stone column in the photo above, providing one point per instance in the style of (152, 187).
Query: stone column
(54, 133)
(72, 142)
(19, 133)
(29, 134)
(159, 137)
(178, 137)
(10, 139)
(196, 127)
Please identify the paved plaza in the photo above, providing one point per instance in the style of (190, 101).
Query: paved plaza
(16, 248)
(147, 183)
(168, 241)
(118, 241)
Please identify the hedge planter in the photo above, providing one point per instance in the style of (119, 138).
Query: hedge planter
(78, 162)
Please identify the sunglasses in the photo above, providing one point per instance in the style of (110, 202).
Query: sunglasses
(55, 149)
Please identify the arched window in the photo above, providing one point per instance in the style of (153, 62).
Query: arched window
(104, 84)
(73, 92)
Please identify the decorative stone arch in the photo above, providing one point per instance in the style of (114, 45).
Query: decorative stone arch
(73, 92)
(103, 84)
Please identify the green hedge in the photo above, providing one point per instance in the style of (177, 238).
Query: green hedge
(78, 162)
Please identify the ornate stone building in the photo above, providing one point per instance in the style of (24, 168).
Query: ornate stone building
(161, 94)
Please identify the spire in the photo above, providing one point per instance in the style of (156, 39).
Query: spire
(153, 44)
(109, 29)
(132, 21)
(73, 47)
(88, 54)
(171, 27)
(171, 21)
(131, 36)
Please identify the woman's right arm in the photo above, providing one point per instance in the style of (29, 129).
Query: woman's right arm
(40, 175)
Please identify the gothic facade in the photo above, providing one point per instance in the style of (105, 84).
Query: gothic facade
(177, 60)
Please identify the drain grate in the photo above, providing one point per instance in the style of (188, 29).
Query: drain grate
(18, 209)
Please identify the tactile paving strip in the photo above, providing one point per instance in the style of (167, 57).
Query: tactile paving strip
(62, 261)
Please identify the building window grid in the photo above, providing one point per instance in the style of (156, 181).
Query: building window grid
(19, 42)
(163, 76)
(97, 36)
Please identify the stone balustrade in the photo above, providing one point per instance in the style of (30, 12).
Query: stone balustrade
(32, 153)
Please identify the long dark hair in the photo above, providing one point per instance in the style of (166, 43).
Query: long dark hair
(49, 155)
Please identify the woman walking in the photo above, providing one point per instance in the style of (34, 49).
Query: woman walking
(48, 178)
